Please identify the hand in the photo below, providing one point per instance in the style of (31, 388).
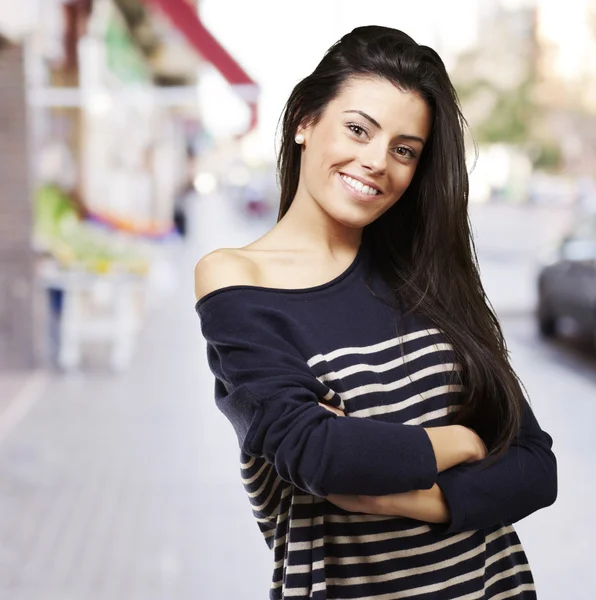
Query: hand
(333, 409)
(454, 445)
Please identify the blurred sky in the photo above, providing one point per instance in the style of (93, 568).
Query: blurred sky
(278, 43)
(570, 31)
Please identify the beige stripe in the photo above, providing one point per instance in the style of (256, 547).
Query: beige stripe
(279, 518)
(258, 492)
(284, 539)
(403, 404)
(355, 560)
(504, 553)
(369, 538)
(284, 516)
(306, 568)
(273, 489)
(500, 532)
(361, 539)
(372, 348)
(298, 546)
(289, 592)
(399, 383)
(524, 587)
(477, 595)
(269, 533)
(316, 587)
(274, 515)
(297, 523)
(392, 575)
(426, 589)
(249, 464)
(383, 367)
(435, 414)
(256, 475)
(450, 541)
(507, 573)
(329, 395)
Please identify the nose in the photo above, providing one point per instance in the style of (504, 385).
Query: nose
(374, 158)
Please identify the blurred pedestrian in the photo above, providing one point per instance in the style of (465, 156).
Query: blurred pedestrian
(179, 218)
(364, 301)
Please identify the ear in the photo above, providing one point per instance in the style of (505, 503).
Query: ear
(305, 128)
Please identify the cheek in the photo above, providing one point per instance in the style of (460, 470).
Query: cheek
(402, 178)
(333, 148)
(321, 163)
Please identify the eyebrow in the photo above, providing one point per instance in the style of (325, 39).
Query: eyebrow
(413, 138)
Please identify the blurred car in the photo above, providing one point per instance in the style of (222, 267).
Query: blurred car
(567, 287)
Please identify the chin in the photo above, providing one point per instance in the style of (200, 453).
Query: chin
(352, 218)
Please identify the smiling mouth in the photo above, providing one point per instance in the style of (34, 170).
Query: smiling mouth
(359, 187)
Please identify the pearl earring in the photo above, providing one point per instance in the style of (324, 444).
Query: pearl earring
(299, 139)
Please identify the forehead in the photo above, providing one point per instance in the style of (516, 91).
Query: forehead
(391, 106)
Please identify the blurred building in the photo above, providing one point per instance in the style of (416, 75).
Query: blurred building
(528, 90)
(16, 261)
(493, 77)
(100, 124)
(566, 66)
(566, 33)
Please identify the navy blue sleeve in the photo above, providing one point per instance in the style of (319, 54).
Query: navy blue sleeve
(270, 395)
(523, 480)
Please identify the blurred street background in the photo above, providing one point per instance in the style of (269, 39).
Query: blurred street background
(138, 135)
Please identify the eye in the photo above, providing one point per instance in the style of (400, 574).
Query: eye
(405, 151)
(356, 129)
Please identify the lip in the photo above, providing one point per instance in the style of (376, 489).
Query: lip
(359, 195)
(363, 181)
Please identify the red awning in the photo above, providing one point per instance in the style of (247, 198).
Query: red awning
(184, 17)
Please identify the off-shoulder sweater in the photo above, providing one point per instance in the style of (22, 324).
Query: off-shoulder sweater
(275, 354)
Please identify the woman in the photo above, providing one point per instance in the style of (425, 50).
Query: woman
(356, 357)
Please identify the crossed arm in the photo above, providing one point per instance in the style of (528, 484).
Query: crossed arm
(423, 505)
(267, 391)
(475, 495)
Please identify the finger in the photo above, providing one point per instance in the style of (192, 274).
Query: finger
(332, 409)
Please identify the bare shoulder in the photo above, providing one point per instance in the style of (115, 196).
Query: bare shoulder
(223, 268)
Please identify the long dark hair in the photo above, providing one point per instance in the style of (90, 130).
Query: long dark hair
(423, 244)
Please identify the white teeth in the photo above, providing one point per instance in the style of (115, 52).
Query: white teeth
(359, 186)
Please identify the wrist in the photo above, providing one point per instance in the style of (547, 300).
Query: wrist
(473, 447)
(465, 444)
(452, 445)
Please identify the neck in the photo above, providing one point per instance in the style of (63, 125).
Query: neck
(308, 225)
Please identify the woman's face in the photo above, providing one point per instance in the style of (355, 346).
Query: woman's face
(359, 159)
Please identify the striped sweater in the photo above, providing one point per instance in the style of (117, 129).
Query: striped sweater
(277, 353)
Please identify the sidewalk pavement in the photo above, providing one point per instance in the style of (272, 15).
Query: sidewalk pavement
(125, 486)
